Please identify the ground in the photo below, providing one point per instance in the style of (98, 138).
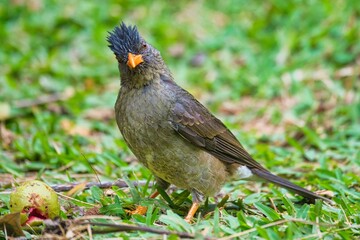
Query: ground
(282, 75)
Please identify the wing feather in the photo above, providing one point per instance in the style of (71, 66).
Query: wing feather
(196, 124)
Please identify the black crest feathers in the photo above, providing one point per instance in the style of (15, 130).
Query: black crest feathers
(124, 39)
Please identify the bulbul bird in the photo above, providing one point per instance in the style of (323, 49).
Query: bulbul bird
(172, 133)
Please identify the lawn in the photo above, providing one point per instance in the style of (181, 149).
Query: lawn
(284, 76)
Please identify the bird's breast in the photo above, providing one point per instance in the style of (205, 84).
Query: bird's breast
(142, 117)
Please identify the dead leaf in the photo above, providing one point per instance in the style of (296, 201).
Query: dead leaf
(92, 211)
(109, 193)
(141, 210)
(78, 188)
(11, 223)
(326, 193)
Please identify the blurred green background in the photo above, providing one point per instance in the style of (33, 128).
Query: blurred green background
(283, 75)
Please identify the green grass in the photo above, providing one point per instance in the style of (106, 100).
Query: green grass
(283, 76)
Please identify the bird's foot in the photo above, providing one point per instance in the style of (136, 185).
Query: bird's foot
(189, 220)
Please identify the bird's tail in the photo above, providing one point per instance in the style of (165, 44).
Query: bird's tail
(286, 184)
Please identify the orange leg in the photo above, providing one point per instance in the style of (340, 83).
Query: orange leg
(194, 207)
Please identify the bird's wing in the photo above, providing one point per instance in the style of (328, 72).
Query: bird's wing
(197, 125)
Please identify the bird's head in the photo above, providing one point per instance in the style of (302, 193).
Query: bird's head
(138, 61)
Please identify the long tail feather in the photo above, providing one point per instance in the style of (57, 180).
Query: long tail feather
(286, 184)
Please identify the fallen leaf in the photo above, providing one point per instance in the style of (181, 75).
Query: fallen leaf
(11, 223)
(141, 210)
(109, 193)
(92, 211)
(327, 193)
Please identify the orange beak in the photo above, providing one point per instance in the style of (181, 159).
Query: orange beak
(134, 60)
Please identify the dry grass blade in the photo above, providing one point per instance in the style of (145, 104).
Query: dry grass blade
(76, 200)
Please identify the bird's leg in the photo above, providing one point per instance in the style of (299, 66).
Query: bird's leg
(194, 207)
(160, 184)
(197, 198)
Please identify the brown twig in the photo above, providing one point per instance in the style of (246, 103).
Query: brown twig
(126, 227)
(118, 183)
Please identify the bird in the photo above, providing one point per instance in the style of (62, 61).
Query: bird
(171, 133)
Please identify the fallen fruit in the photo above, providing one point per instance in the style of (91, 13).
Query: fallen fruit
(36, 202)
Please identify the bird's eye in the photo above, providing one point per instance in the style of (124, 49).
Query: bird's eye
(144, 46)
